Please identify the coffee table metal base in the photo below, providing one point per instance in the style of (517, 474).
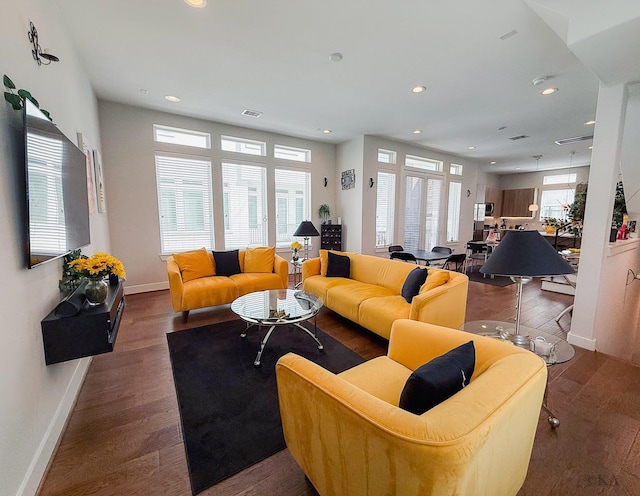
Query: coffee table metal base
(266, 337)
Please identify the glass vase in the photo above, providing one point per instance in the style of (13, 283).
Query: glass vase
(295, 256)
(96, 291)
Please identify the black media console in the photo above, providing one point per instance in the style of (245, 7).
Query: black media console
(91, 331)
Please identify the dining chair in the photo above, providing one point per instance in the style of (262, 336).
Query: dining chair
(457, 260)
(477, 254)
(442, 249)
(404, 256)
(393, 248)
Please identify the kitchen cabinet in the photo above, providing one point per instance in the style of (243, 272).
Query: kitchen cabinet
(515, 202)
(494, 195)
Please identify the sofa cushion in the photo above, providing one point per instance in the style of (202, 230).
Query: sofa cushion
(259, 259)
(227, 262)
(435, 278)
(413, 282)
(438, 379)
(338, 265)
(208, 292)
(345, 299)
(248, 282)
(378, 314)
(324, 259)
(194, 264)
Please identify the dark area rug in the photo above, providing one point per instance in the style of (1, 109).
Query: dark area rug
(229, 407)
(501, 281)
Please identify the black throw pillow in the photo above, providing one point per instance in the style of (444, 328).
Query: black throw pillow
(412, 283)
(227, 262)
(338, 265)
(438, 379)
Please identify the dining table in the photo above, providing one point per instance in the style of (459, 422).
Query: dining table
(428, 256)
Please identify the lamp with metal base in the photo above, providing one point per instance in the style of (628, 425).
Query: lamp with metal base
(523, 255)
(305, 230)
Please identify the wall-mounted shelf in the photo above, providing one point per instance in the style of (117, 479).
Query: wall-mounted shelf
(91, 331)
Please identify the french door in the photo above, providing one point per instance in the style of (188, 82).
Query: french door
(423, 205)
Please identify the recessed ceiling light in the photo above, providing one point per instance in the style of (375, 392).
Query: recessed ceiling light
(326, 131)
(471, 147)
(549, 91)
(517, 168)
(172, 98)
(589, 123)
(493, 162)
(335, 57)
(418, 89)
(417, 131)
(590, 147)
(198, 4)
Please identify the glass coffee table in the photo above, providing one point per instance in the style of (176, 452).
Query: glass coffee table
(551, 348)
(277, 307)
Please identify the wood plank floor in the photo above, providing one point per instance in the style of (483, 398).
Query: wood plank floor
(124, 436)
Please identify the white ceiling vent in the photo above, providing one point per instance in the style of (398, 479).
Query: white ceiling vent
(252, 113)
(516, 138)
(567, 141)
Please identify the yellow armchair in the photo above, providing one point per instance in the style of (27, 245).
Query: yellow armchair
(349, 436)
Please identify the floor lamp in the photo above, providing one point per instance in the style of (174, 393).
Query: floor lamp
(523, 255)
(305, 230)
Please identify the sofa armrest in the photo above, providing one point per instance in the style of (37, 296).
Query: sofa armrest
(311, 267)
(176, 286)
(445, 305)
(281, 267)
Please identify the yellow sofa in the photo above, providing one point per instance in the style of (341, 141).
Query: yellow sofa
(349, 436)
(219, 290)
(371, 296)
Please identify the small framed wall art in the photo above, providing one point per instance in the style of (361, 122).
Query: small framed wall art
(348, 179)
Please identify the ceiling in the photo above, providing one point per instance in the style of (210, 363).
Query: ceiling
(273, 57)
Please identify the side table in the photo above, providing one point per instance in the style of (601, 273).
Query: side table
(562, 350)
(297, 273)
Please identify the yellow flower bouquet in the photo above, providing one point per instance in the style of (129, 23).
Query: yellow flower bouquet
(98, 266)
(295, 248)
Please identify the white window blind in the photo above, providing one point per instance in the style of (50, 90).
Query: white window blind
(245, 206)
(184, 203)
(412, 212)
(293, 203)
(47, 232)
(385, 208)
(423, 163)
(422, 212)
(432, 217)
(453, 211)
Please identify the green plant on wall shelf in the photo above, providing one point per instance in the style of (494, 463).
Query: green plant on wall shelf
(17, 99)
(619, 207)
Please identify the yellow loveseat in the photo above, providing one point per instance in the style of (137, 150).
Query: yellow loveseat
(201, 291)
(371, 296)
(349, 436)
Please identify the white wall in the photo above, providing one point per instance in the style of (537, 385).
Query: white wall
(36, 398)
(128, 155)
(350, 155)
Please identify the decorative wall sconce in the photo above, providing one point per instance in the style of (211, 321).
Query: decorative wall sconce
(371, 183)
(39, 55)
(325, 182)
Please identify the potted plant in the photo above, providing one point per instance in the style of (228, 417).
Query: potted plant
(324, 212)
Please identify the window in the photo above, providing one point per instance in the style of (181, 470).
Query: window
(559, 179)
(453, 211)
(554, 202)
(240, 145)
(422, 212)
(386, 156)
(455, 170)
(184, 203)
(177, 136)
(290, 153)
(245, 205)
(385, 209)
(293, 203)
(423, 163)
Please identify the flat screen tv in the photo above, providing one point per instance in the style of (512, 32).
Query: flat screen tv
(56, 186)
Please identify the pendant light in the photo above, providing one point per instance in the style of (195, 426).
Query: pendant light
(534, 206)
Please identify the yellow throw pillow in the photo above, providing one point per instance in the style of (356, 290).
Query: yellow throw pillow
(434, 279)
(324, 259)
(194, 264)
(259, 259)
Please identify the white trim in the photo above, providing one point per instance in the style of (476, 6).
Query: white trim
(582, 342)
(53, 434)
(146, 288)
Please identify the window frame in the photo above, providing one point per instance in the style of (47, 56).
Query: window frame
(186, 132)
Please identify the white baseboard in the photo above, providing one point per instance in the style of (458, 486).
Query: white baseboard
(582, 342)
(44, 453)
(146, 288)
